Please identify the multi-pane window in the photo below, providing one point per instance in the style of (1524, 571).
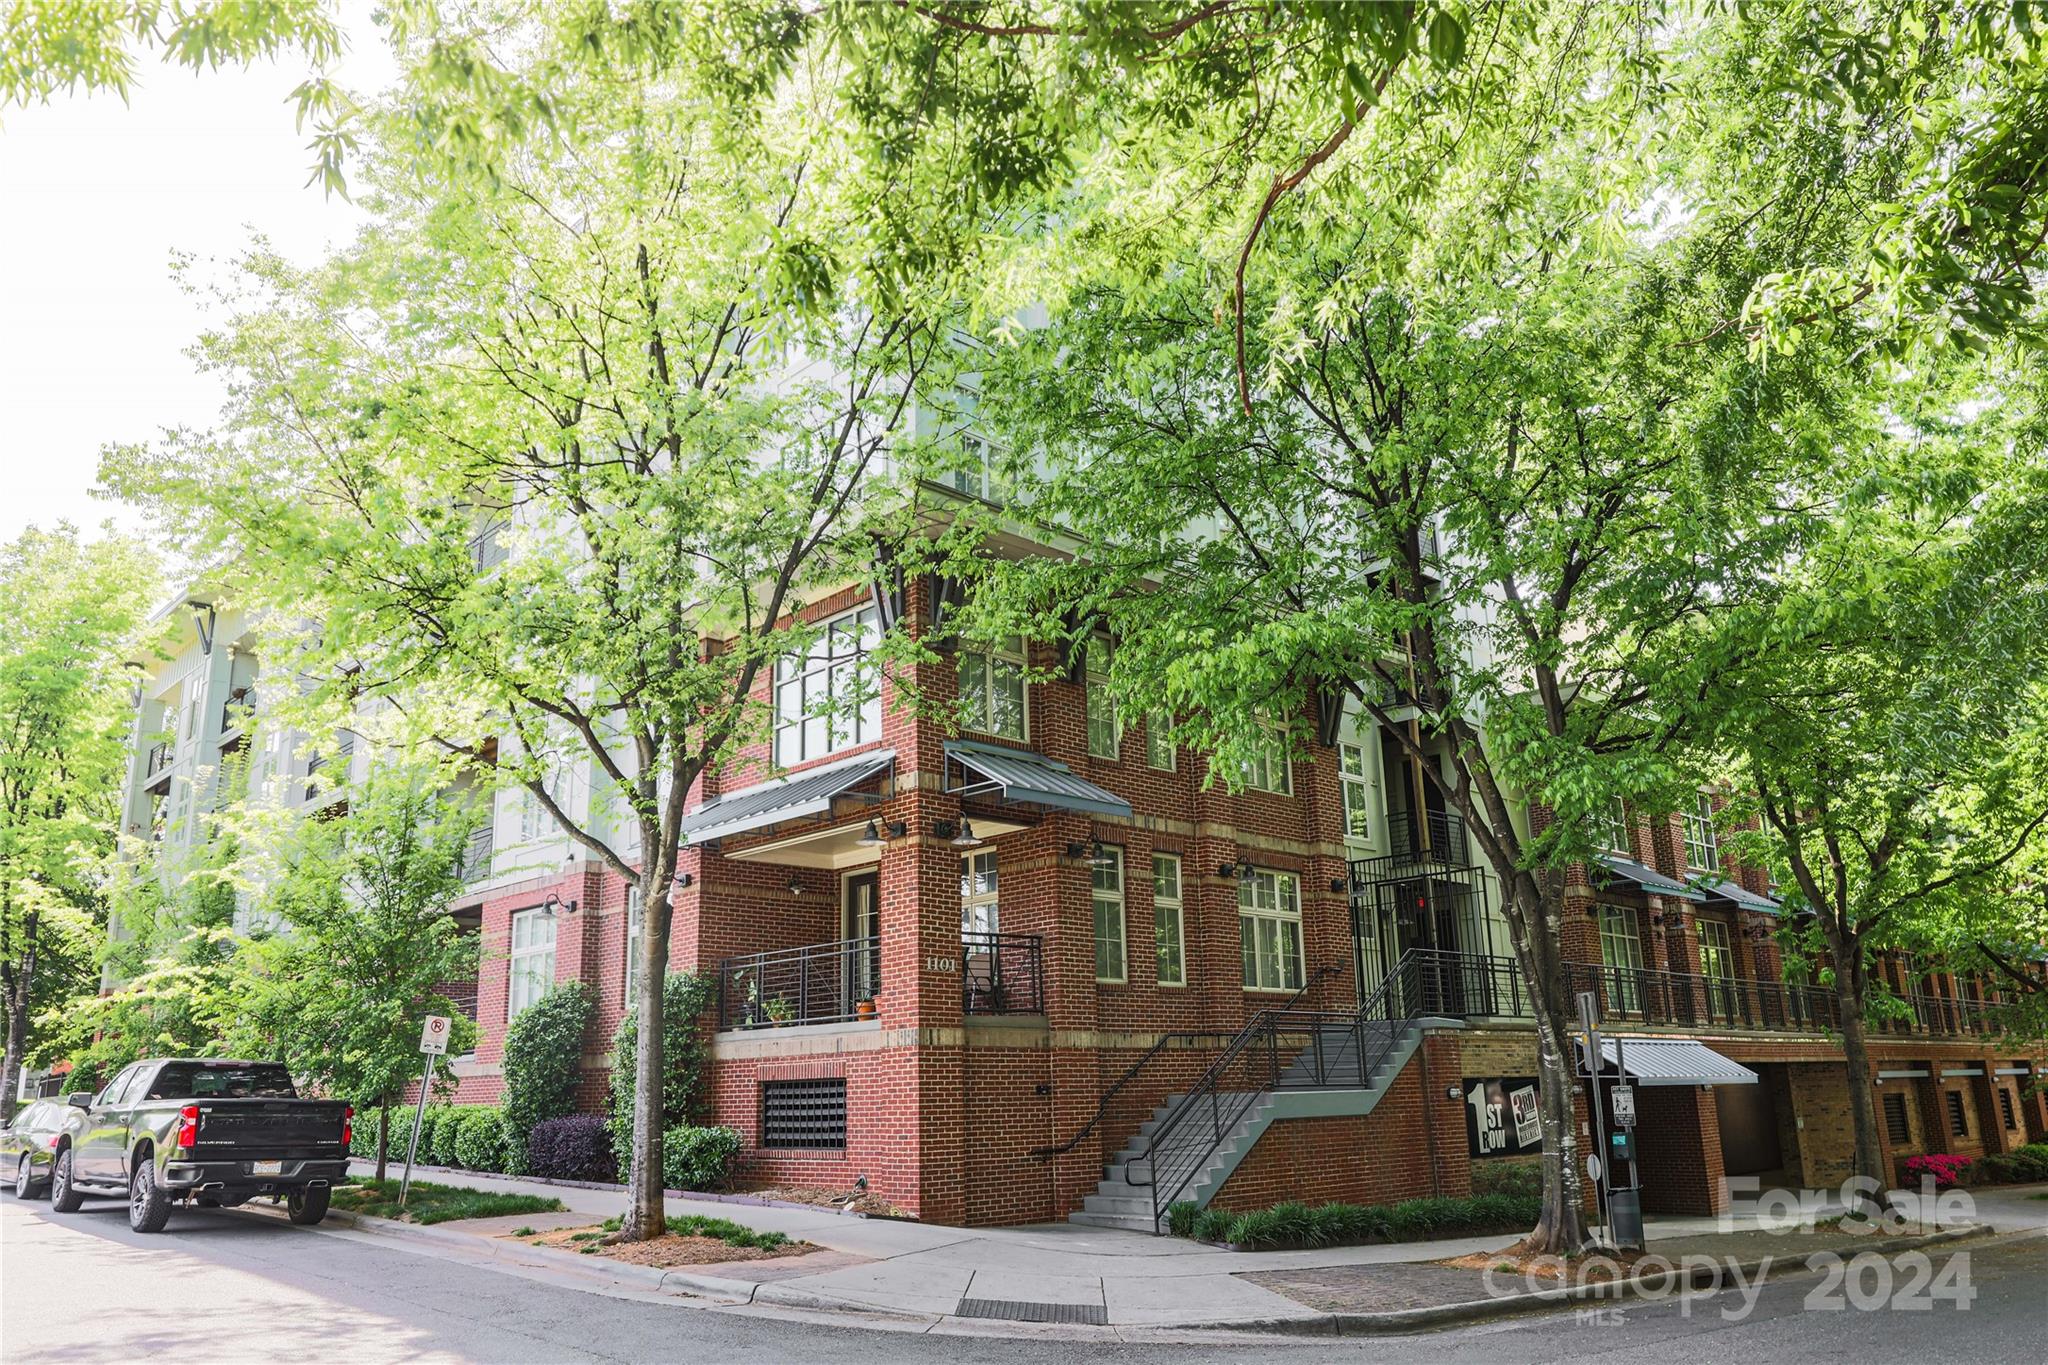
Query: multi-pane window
(992, 690)
(534, 820)
(1107, 880)
(1621, 951)
(1702, 849)
(978, 893)
(1717, 964)
(1611, 829)
(533, 960)
(1353, 777)
(1103, 733)
(633, 929)
(1269, 928)
(1166, 922)
(978, 471)
(826, 699)
(1159, 745)
(1268, 770)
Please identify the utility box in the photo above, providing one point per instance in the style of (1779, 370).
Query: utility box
(1625, 1219)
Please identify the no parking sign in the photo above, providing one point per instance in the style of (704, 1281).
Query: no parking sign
(434, 1035)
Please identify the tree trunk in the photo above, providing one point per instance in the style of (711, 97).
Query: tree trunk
(1869, 1159)
(645, 1217)
(17, 1043)
(383, 1137)
(1561, 1226)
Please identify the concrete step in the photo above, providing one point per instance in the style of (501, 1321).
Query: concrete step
(1128, 1222)
(1138, 1202)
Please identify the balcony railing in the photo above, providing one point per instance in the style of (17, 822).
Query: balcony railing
(476, 855)
(234, 712)
(820, 983)
(1446, 831)
(1002, 974)
(156, 762)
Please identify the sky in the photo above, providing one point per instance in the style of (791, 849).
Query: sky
(95, 197)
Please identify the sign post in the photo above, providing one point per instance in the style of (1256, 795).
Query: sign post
(1624, 1202)
(1589, 1026)
(433, 1043)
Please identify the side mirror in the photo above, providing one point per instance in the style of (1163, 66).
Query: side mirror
(79, 1099)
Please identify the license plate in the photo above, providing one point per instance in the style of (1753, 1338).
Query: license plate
(266, 1168)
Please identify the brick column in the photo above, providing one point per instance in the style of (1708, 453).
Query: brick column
(1678, 1143)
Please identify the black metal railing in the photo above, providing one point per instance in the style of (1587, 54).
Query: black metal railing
(1280, 1049)
(158, 759)
(1446, 836)
(1002, 973)
(1186, 1039)
(234, 712)
(820, 983)
(1690, 999)
(476, 854)
(1433, 982)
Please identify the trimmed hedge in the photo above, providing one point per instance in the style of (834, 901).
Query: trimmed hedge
(1295, 1224)
(2017, 1167)
(480, 1137)
(698, 1158)
(684, 998)
(543, 1062)
(574, 1147)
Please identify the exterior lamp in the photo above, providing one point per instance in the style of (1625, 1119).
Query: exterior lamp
(1098, 856)
(553, 905)
(1340, 885)
(960, 836)
(796, 885)
(871, 837)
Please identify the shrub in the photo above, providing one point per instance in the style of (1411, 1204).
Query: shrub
(362, 1140)
(698, 1158)
(1294, 1224)
(684, 998)
(1946, 1168)
(543, 1061)
(1213, 1225)
(401, 1131)
(2019, 1166)
(448, 1132)
(574, 1147)
(1180, 1217)
(1508, 1177)
(480, 1138)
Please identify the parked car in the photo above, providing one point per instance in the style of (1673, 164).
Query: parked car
(28, 1144)
(215, 1133)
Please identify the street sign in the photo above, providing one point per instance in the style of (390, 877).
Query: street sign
(1624, 1097)
(434, 1035)
(1593, 1166)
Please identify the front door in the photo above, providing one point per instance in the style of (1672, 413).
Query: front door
(863, 929)
(1426, 923)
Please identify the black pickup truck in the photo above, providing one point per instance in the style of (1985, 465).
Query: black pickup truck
(217, 1133)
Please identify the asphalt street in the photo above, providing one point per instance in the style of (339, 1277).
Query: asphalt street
(242, 1285)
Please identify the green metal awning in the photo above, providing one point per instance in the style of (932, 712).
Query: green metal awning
(1740, 898)
(1673, 1061)
(1033, 779)
(1648, 879)
(783, 798)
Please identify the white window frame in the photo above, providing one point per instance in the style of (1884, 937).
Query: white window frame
(1105, 740)
(1271, 769)
(1167, 923)
(1106, 897)
(1612, 830)
(530, 965)
(1355, 785)
(1266, 897)
(980, 889)
(1702, 844)
(811, 690)
(1621, 937)
(1006, 659)
(984, 480)
(1161, 753)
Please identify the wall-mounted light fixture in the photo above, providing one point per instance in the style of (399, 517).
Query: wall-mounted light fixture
(554, 905)
(1452, 1092)
(682, 880)
(796, 885)
(1340, 885)
(1093, 853)
(959, 836)
(874, 836)
(1239, 870)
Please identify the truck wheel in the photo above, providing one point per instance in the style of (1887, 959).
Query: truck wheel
(307, 1206)
(64, 1196)
(149, 1208)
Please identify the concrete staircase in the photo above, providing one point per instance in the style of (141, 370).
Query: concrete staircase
(1323, 1080)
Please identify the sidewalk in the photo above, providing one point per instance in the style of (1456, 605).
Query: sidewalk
(983, 1279)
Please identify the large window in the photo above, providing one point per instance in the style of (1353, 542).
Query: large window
(1621, 952)
(979, 470)
(1107, 877)
(1159, 745)
(992, 690)
(1104, 735)
(533, 960)
(1611, 829)
(1717, 965)
(1268, 770)
(1352, 775)
(827, 699)
(1702, 849)
(1269, 926)
(978, 893)
(1166, 922)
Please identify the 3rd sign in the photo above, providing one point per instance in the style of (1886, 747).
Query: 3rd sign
(434, 1035)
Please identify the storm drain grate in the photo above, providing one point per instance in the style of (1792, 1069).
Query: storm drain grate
(1016, 1310)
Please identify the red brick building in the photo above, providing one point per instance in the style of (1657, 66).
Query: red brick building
(979, 968)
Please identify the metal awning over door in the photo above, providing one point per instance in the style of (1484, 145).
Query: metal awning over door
(1673, 1061)
(784, 798)
(1020, 775)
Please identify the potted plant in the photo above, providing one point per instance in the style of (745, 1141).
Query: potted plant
(864, 1009)
(780, 1011)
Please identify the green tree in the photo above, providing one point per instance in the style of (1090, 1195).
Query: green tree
(363, 946)
(75, 609)
(1896, 739)
(629, 359)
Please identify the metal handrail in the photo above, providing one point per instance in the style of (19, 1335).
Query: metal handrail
(1259, 1046)
(1130, 1073)
(819, 983)
(1001, 973)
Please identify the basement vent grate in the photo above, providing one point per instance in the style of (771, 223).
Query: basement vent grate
(1016, 1310)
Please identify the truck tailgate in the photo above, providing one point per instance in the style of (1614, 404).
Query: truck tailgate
(266, 1128)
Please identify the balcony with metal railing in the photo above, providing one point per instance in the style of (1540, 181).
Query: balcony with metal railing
(475, 864)
(837, 982)
(156, 764)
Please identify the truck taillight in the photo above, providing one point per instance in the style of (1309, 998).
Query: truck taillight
(55, 1138)
(188, 1125)
(348, 1124)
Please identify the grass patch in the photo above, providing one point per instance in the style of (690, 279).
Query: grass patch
(522, 1232)
(431, 1203)
(1294, 1224)
(724, 1229)
(2042, 1195)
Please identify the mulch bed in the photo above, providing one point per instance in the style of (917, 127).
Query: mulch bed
(863, 1202)
(663, 1252)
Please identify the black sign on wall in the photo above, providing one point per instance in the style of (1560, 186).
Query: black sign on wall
(1501, 1116)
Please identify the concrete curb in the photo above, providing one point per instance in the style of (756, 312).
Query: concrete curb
(751, 1201)
(1446, 1315)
